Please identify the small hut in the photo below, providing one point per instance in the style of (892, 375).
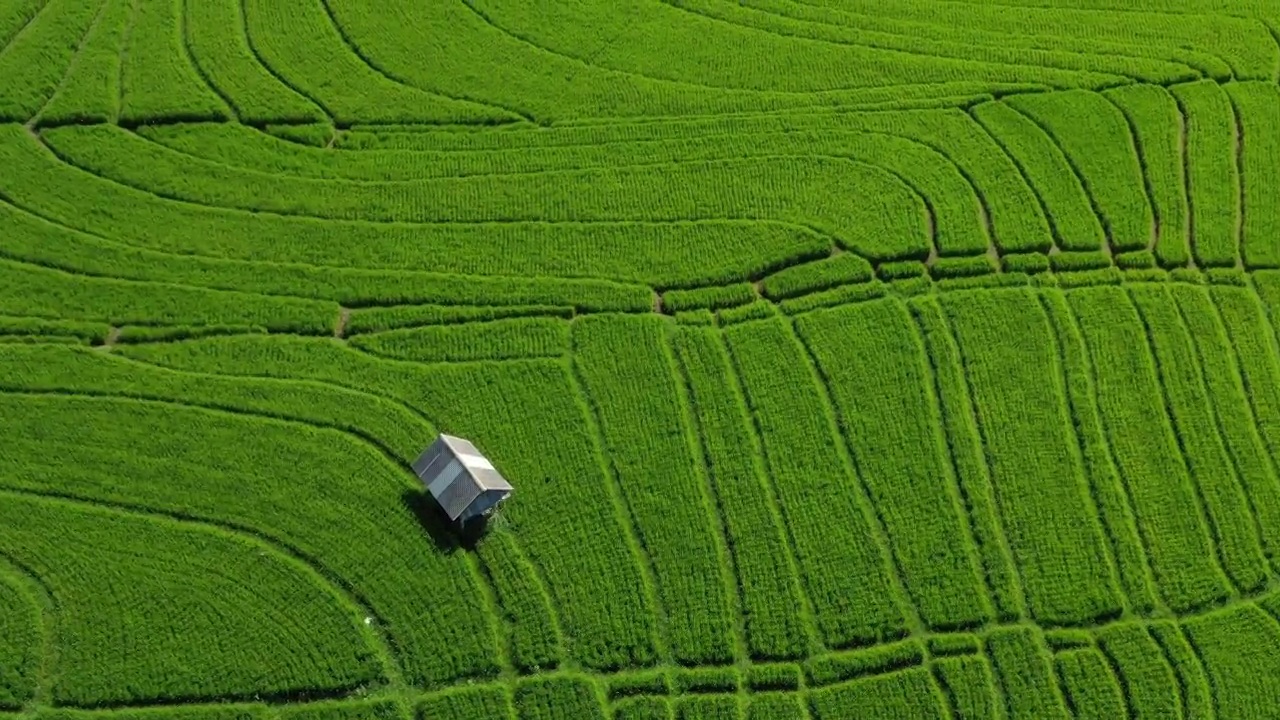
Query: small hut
(462, 480)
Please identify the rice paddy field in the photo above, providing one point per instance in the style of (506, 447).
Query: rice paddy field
(884, 359)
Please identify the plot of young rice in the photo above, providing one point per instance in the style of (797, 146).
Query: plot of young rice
(848, 360)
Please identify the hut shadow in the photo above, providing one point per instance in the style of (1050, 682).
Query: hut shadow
(445, 535)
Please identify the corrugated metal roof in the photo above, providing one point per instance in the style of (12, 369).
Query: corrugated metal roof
(428, 456)
(486, 500)
(489, 479)
(457, 495)
(456, 474)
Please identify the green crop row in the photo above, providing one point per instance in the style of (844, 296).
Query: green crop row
(973, 474)
(321, 710)
(845, 570)
(968, 685)
(602, 630)
(31, 239)
(90, 91)
(1108, 492)
(1020, 408)
(775, 676)
(262, 623)
(842, 269)
(1197, 700)
(317, 134)
(713, 191)
(492, 340)
(1077, 261)
(558, 696)
(377, 319)
(1090, 688)
(166, 333)
(37, 327)
(1024, 673)
(1094, 137)
(1247, 332)
(1257, 113)
(1239, 648)
(36, 58)
(758, 310)
(713, 298)
(287, 37)
(1016, 220)
(221, 49)
(628, 375)
(534, 636)
(1199, 436)
(773, 602)
(21, 631)
(1047, 170)
(873, 360)
(710, 679)
(1144, 673)
(835, 296)
(834, 668)
(1134, 418)
(937, 177)
(38, 291)
(158, 81)
(641, 682)
(946, 267)
(643, 708)
(220, 711)
(467, 701)
(461, 241)
(1158, 128)
(953, 644)
(905, 695)
(1212, 174)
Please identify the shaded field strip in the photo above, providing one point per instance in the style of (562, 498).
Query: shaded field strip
(257, 57)
(29, 21)
(1111, 496)
(75, 59)
(364, 58)
(325, 582)
(852, 154)
(1115, 79)
(396, 458)
(887, 48)
(622, 509)
(188, 58)
(337, 584)
(20, 574)
(831, 22)
(294, 268)
(718, 216)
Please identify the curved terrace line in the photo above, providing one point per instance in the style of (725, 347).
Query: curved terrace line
(284, 555)
(882, 47)
(363, 58)
(994, 37)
